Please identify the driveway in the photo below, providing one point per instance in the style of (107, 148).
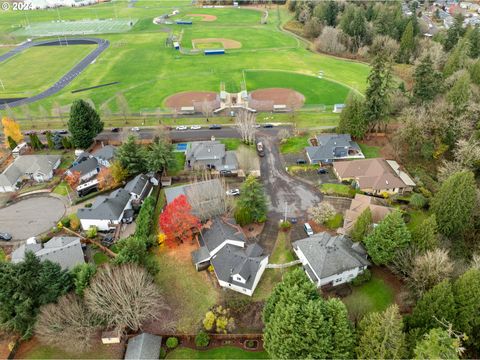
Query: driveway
(30, 217)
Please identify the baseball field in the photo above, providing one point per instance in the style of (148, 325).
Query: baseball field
(148, 71)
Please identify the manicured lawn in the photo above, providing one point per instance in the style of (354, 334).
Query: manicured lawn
(225, 352)
(337, 190)
(179, 164)
(416, 219)
(335, 222)
(40, 351)
(62, 189)
(231, 144)
(374, 295)
(294, 144)
(370, 151)
(99, 258)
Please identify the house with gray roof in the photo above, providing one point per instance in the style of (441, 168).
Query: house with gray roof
(105, 155)
(63, 250)
(331, 260)
(39, 168)
(211, 155)
(107, 211)
(143, 346)
(139, 187)
(330, 147)
(238, 266)
(87, 168)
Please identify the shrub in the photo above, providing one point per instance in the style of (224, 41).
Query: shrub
(202, 339)
(362, 278)
(209, 320)
(74, 222)
(88, 205)
(92, 232)
(65, 221)
(172, 342)
(163, 353)
(285, 225)
(243, 216)
(251, 344)
(418, 201)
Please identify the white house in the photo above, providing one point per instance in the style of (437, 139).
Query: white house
(331, 260)
(39, 168)
(238, 266)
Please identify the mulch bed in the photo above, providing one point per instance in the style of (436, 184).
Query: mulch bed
(191, 98)
(205, 17)
(277, 96)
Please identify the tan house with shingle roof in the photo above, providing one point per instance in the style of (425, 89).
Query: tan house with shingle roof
(375, 176)
(358, 206)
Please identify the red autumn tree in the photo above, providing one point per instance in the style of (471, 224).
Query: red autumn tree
(73, 179)
(177, 221)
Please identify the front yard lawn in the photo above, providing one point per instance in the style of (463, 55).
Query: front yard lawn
(370, 151)
(231, 144)
(335, 222)
(337, 190)
(179, 164)
(375, 295)
(225, 352)
(294, 144)
(62, 189)
(416, 219)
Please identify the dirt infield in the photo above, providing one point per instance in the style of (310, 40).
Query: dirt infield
(192, 98)
(227, 43)
(205, 17)
(264, 99)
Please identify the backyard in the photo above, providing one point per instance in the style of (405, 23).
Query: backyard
(337, 190)
(225, 352)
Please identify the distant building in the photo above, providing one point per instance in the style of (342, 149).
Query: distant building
(238, 266)
(63, 250)
(39, 168)
(331, 260)
(332, 147)
(374, 176)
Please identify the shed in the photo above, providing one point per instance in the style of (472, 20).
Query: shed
(143, 346)
(111, 337)
(176, 45)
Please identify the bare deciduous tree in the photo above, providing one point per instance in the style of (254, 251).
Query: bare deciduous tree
(384, 43)
(68, 324)
(124, 296)
(122, 105)
(245, 121)
(247, 159)
(430, 269)
(208, 198)
(283, 134)
(105, 110)
(322, 212)
(329, 41)
(207, 108)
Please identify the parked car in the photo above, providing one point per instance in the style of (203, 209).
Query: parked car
(62, 132)
(29, 132)
(215, 127)
(44, 132)
(256, 126)
(267, 126)
(293, 220)
(115, 129)
(181, 127)
(260, 150)
(322, 171)
(301, 161)
(136, 128)
(108, 240)
(233, 192)
(5, 236)
(308, 229)
(195, 127)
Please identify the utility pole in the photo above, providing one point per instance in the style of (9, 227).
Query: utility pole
(285, 212)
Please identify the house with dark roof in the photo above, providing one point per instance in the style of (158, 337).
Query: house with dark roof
(143, 346)
(89, 165)
(211, 155)
(330, 147)
(39, 168)
(331, 260)
(238, 266)
(63, 250)
(107, 211)
(374, 176)
(139, 187)
(105, 155)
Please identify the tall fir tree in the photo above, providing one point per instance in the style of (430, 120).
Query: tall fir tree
(132, 157)
(380, 335)
(341, 332)
(352, 118)
(362, 226)
(458, 58)
(460, 93)
(12, 144)
(438, 344)
(389, 236)
(84, 124)
(407, 44)
(475, 72)
(425, 237)
(454, 33)
(252, 200)
(473, 36)
(427, 81)
(377, 95)
(454, 204)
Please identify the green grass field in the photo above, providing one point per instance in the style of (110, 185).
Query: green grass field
(225, 352)
(148, 72)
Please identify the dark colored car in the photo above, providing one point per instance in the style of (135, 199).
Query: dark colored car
(301, 162)
(293, 220)
(215, 127)
(115, 129)
(62, 132)
(322, 171)
(5, 236)
(108, 240)
(267, 126)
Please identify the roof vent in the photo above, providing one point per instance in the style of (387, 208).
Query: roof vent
(386, 181)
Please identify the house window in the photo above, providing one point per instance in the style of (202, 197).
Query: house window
(338, 280)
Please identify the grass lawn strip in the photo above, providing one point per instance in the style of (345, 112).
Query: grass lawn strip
(294, 144)
(337, 190)
(225, 352)
(370, 151)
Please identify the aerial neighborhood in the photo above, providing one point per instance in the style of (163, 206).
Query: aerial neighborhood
(240, 179)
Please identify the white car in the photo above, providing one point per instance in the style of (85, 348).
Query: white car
(308, 229)
(195, 127)
(256, 126)
(181, 127)
(233, 192)
(136, 128)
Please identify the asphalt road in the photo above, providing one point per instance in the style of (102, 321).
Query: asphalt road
(69, 76)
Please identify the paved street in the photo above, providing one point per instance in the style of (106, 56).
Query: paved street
(31, 216)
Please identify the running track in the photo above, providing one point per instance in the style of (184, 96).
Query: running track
(68, 77)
